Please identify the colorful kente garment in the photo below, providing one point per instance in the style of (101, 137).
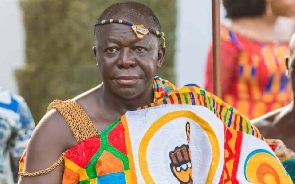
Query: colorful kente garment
(253, 74)
(286, 155)
(16, 127)
(186, 136)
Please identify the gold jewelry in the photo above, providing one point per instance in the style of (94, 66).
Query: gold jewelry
(140, 31)
(45, 171)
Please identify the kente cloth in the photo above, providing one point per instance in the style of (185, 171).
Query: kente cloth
(253, 74)
(16, 127)
(186, 135)
(286, 155)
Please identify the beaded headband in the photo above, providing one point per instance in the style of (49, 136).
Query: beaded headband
(139, 30)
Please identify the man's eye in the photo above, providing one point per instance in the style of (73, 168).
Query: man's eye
(140, 49)
(112, 50)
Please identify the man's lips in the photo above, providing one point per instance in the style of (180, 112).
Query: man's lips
(127, 80)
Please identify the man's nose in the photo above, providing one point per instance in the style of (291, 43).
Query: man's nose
(126, 59)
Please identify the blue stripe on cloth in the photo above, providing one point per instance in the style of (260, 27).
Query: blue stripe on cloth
(233, 38)
(113, 178)
(214, 104)
(157, 85)
(269, 84)
(192, 98)
(230, 117)
(241, 70)
(167, 88)
(253, 71)
(283, 82)
(188, 85)
(13, 105)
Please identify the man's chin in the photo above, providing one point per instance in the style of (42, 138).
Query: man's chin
(128, 93)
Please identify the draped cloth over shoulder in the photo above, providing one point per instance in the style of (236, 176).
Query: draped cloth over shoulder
(186, 136)
(79, 123)
(74, 113)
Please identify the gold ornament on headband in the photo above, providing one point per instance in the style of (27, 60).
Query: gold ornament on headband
(140, 30)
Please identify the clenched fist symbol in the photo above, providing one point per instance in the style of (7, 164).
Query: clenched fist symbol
(181, 165)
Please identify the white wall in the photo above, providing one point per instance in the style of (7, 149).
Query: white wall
(11, 42)
(194, 36)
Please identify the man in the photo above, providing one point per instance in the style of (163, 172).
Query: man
(278, 125)
(138, 128)
(16, 126)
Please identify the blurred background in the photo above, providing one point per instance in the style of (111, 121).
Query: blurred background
(12, 44)
(26, 31)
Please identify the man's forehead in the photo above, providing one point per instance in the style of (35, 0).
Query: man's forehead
(119, 32)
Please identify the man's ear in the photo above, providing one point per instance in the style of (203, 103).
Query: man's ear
(161, 54)
(287, 65)
(94, 50)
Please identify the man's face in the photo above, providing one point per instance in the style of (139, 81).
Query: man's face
(127, 64)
